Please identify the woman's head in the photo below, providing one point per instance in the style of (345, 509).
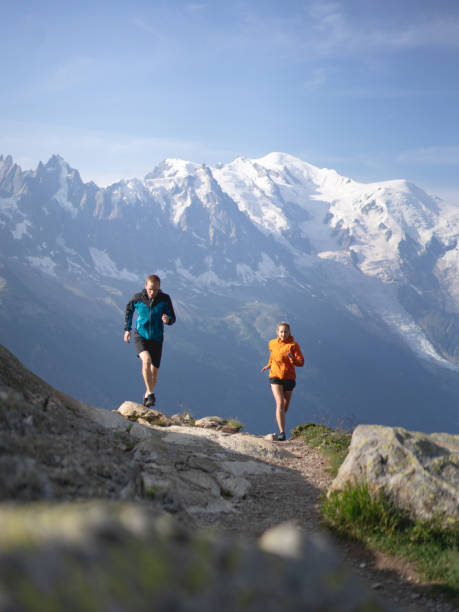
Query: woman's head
(283, 330)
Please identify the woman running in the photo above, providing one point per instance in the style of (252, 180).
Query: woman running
(284, 355)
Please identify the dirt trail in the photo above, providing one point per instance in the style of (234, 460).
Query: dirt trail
(293, 493)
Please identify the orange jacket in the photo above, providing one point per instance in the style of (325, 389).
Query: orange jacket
(279, 362)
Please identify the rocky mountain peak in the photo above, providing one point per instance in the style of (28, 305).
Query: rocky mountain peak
(368, 273)
(6, 161)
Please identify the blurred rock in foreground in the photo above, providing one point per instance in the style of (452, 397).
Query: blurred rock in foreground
(112, 556)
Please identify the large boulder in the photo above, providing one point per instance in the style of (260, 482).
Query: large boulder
(419, 472)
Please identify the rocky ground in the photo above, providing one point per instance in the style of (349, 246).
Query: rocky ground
(293, 493)
(291, 490)
(54, 448)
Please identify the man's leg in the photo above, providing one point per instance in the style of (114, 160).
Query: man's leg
(149, 372)
(154, 376)
(278, 392)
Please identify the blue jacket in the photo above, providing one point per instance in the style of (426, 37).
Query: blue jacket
(148, 323)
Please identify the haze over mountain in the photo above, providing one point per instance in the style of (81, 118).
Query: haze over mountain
(367, 275)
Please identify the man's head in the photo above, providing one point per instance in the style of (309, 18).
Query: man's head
(152, 284)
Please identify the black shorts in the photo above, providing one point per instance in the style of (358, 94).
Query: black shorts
(154, 348)
(288, 385)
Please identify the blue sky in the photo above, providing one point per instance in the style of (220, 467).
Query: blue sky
(366, 87)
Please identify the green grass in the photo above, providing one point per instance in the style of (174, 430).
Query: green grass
(130, 444)
(187, 418)
(374, 520)
(151, 492)
(234, 423)
(332, 443)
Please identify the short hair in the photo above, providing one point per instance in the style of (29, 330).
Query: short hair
(287, 325)
(153, 278)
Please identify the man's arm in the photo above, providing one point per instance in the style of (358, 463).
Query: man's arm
(129, 313)
(171, 314)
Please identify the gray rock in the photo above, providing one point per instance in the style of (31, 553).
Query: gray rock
(132, 410)
(143, 415)
(23, 478)
(154, 485)
(210, 422)
(286, 540)
(139, 431)
(182, 419)
(106, 418)
(232, 486)
(56, 447)
(116, 557)
(240, 468)
(419, 472)
(202, 482)
(219, 423)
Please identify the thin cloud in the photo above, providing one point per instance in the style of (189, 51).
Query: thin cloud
(195, 7)
(73, 73)
(438, 155)
(386, 93)
(333, 31)
(324, 30)
(141, 24)
(439, 32)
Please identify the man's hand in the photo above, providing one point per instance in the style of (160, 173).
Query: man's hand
(127, 336)
(165, 319)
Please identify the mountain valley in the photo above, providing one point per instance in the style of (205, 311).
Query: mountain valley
(367, 275)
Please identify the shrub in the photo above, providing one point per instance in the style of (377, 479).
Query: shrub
(235, 424)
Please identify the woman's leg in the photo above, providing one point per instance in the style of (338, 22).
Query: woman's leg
(287, 398)
(278, 392)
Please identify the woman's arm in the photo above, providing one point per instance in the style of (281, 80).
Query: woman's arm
(297, 355)
(268, 365)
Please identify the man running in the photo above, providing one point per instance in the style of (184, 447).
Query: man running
(154, 309)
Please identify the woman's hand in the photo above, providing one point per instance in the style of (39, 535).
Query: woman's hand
(265, 368)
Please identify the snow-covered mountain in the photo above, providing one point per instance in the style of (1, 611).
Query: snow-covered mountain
(239, 246)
